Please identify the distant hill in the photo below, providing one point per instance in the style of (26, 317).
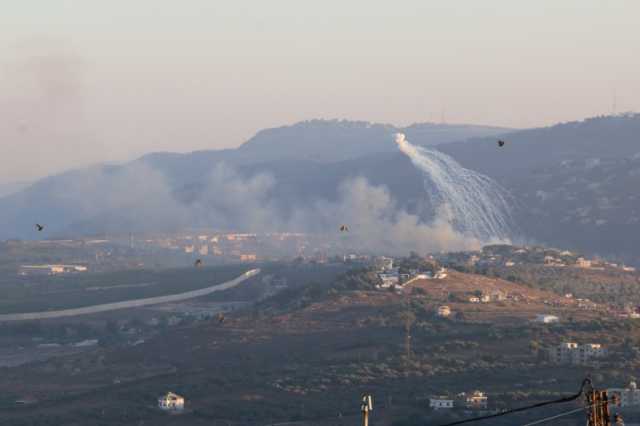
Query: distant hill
(12, 187)
(318, 141)
(338, 140)
(308, 160)
(612, 137)
(574, 184)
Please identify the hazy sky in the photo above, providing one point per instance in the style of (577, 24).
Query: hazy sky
(84, 81)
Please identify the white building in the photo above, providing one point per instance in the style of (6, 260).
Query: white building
(581, 262)
(440, 403)
(629, 396)
(477, 400)
(546, 319)
(444, 311)
(171, 402)
(384, 263)
(441, 274)
(389, 280)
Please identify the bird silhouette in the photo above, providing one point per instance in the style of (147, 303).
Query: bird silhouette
(344, 228)
(198, 263)
(501, 143)
(39, 227)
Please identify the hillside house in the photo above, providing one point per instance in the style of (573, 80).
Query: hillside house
(440, 403)
(546, 319)
(581, 262)
(389, 279)
(477, 400)
(441, 274)
(171, 402)
(444, 311)
(586, 304)
(383, 263)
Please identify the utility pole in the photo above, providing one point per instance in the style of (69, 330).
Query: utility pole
(366, 407)
(598, 408)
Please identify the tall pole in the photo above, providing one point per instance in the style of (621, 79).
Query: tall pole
(366, 407)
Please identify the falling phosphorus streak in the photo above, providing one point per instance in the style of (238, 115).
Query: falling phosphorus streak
(472, 203)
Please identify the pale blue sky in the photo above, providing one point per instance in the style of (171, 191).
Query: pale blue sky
(85, 80)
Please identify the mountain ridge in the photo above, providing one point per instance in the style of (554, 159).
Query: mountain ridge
(580, 174)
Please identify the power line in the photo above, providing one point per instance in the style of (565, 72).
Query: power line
(585, 382)
(557, 416)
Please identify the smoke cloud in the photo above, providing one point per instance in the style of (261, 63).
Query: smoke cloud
(377, 223)
(142, 200)
(139, 198)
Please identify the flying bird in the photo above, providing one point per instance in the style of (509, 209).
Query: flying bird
(344, 228)
(198, 263)
(220, 318)
(39, 227)
(501, 143)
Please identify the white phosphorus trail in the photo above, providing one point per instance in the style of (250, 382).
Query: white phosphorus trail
(472, 203)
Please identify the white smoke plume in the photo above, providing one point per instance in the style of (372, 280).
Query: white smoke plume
(473, 203)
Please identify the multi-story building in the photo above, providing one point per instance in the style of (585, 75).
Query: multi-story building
(575, 354)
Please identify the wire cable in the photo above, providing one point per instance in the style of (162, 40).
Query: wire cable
(557, 416)
(526, 408)
(567, 413)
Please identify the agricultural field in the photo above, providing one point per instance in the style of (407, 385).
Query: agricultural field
(307, 353)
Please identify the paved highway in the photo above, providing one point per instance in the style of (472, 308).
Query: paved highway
(137, 303)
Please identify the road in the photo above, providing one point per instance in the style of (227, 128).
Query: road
(137, 303)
